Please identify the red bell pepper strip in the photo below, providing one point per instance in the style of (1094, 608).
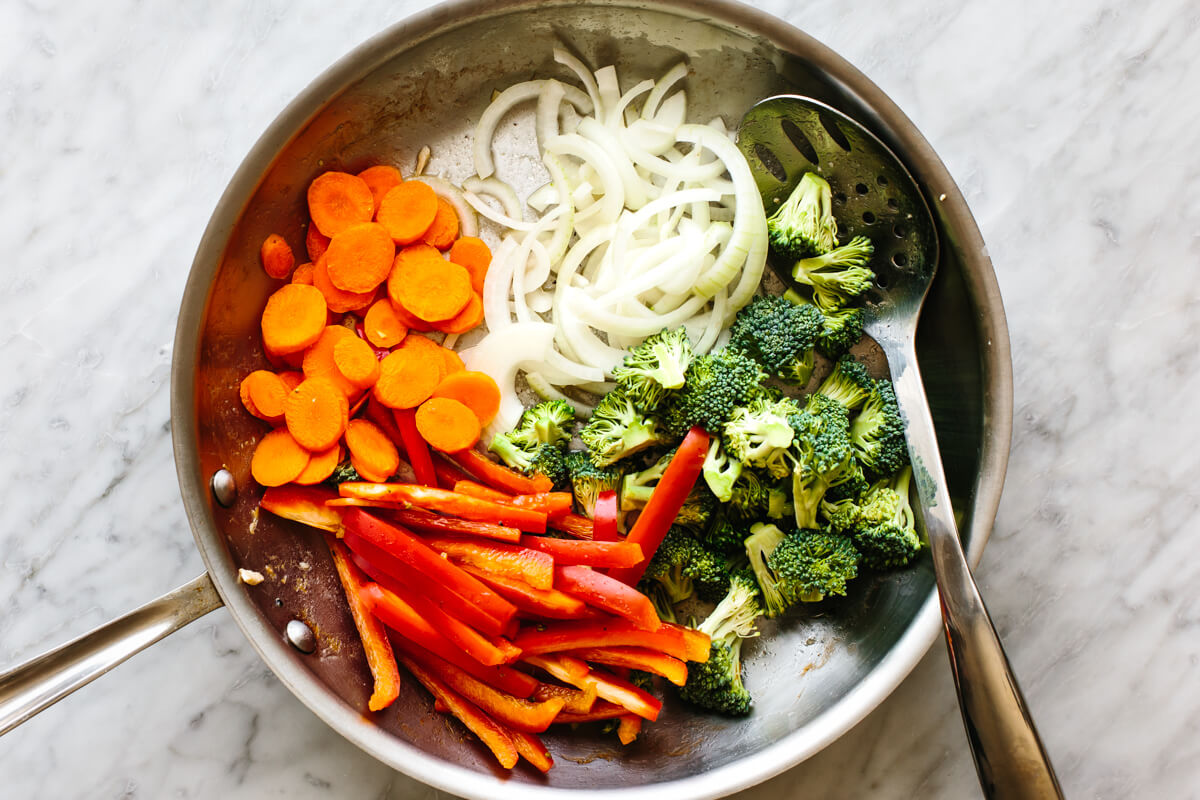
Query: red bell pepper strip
(602, 710)
(556, 637)
(576, 525)
(641, 658)
(540, 602)
(575, 701)
(696, 644)
(582, 552)
(404, 620)
(471, 641)
(497, 476)
(448, 502)
(608, 686)
(428, 522)
(380, 658)
(628, 728)
(604, 519)
(555, 504)
(513, 712)
(303, 504)
(532, 750)
(406, 548)
(608, 594)
(415, 446)
(491, 733)
(533, 567)
(447, 474)
(664, 504)
(476, 489)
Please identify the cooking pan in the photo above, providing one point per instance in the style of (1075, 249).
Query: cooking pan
(423, 82)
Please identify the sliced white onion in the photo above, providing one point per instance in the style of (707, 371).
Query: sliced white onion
(542, 197)
(673, 76)
(496, 285)
(504, 102)
(468, 223)
(498, 217)
(585, 77)
(494, 187)
(500, 353)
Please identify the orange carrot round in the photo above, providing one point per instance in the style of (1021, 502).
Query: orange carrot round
(447, 424)
(293, 319)
(360, 257)
(291, 379)
(431, 350)
(407, 376)
(339, 301)
(263, 394)
(381, 325)
(316, 413)
(337, 200)
(444, 229)
(465, 320)
(303, 273)
(472, 253)
(356, 361)
(407, 211)
(380, 180)
(319, 361)
(278, 459)
(320, 466)
(277, 257)
(315, 242)
(373, 455)
(476, 390)
(429, 286)
(453, 362)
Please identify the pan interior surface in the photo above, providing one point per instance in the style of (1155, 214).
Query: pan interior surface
(814, 673)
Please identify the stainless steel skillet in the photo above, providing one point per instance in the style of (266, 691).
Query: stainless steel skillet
(423, 82)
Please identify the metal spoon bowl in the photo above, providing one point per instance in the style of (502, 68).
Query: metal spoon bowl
(874, 196)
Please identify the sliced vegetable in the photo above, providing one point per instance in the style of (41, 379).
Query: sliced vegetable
(557, 637)
(549, 603)
(671, 668)
(337, 200)
(320, 466)
(278, 459)
(355, 360)
(380, 658)
(608, 594)
(442, 232)
(381, 179)
(499, 476)
(575, 701)
(382, 327)
(447, 424)
(293, 318)
(448, 502)
(586, 553)
(408, 376)
(304, 505)
(604, 522)
(316, 412)
(473, 254)
(513, 561)
(277, 257)
(407, 211)
(372, 453)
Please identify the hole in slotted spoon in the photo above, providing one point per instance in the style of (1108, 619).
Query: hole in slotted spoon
(899, 259)
(801, 142)
(868, 218)
(770, 162)
(831, 127)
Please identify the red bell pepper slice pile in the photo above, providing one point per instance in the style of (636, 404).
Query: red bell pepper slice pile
(641, 658)
(556, 637)
(448, 502)
(575, 525)
(609, 594)
(514, 561)
(549, 603)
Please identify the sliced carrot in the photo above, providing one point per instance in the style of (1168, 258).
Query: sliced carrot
(476, 390)
(320, 466)
(407, 376)
(278, 459)
(303, 273)
(291, 379)
(316, 413)
(453, 362)
(277, 257)
(372, 453)
(428, 286)
(293, 319)
(360, 257)
(447, 424)
(444, 229)
(315, 243)
(474, 254)
(337, 200)
(382, 327)
(283, 361)
(412, 322)
(319, 360)
(467, 319)
(266, 393)
(429, 349)
(339, 301)
(407, 211)
(356, 361)
(531, 748)
(381, 179)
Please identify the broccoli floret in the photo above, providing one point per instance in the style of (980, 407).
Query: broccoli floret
(819, 453)
(849, 383)
(698, 508)
(617, 429)
(548, 422)
(653, 367)
(720, 471)
(716, 384)
(543, 458)
(779, 502)
(684, 566)
(814, 564)
(658, 597)
(726, 534)
(839, 276)
(588, 481)
(798, 371)
(804, 224)
(887, 535)
(636, 487)
(750, 498)
(763, 539)
(848, 482)
(343, 473)
(777, 334)
(717, 683)
(840, 330)
(877, 434)
(759, 435)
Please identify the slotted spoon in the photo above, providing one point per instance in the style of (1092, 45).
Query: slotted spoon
(783, 137)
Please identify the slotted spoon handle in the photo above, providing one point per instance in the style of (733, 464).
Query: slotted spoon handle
(1009, 756)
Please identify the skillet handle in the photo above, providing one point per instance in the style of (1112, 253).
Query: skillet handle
(28, 688)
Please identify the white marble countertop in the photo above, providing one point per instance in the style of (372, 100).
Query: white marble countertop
(1073, 130)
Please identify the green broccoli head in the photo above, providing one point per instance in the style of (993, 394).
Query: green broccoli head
(654, 366)
(779, 501)
(698, 508)
(546, 459)
(750, 498)
(684, 566)
(764, 537)
(588, 481)
(548, 422)
(840, 330)
(659, 597)
(720, 471)
(877, 433)
(726, 534)
(839, 276)
(775, 333)
(848, 482)
(618, 429)
(799, 370)
(759, 435)
(849, 383)
(716, 684)
(819, 453)
(717, 383)
(814, 564)
(887, 535)
(804, 224)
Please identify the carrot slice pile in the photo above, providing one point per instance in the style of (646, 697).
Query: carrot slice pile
(293, 319)
(338, 300)
(277, 257)
(407, 211)
(472, 253)
(263, 394)
(468, 318)
(278, 459)
(408, 376)
(337, 200)
(447, 424)
(319, 361)
(380, 180)
(444, 229)
(478, 391)
(372, 453)
(356, 361)
(320, 466)
(382, 327)
(315, 242)
(359, 258)
(316, 413)
(303, 273)
(427, 285)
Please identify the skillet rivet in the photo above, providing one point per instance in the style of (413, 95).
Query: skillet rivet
(223, 487)
(300, 636)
